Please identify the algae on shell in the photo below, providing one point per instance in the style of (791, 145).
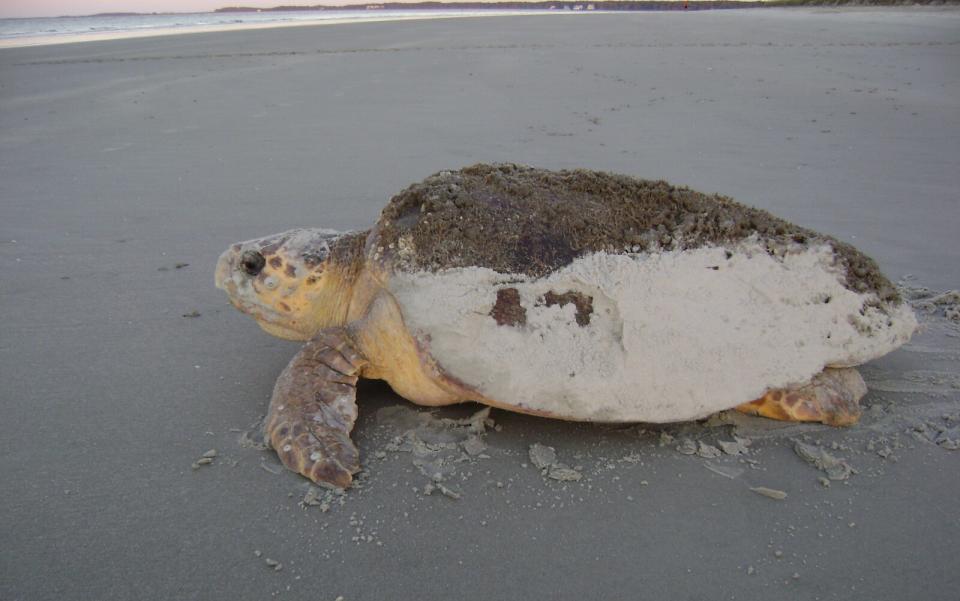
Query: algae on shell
(522, 220)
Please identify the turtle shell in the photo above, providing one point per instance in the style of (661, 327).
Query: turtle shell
(591, 296)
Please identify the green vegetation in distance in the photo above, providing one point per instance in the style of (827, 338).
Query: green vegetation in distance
(609, 5)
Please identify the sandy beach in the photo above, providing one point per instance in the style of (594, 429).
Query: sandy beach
(127, 166)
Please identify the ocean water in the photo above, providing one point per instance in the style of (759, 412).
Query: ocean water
(71, 26)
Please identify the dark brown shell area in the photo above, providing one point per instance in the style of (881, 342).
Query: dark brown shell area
(517, 219)
(347, 250)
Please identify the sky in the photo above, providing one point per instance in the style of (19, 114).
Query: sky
(55, 8)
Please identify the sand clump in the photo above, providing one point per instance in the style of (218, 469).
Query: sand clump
(835, 468)
(949, 303)
(770, 493)
(544, 458)
(441, 449)
(930, 302)
(206, 458)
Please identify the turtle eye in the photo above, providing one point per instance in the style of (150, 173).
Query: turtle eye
(252, 262)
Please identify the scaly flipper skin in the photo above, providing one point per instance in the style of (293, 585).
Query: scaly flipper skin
(832, 397)
(314, 407)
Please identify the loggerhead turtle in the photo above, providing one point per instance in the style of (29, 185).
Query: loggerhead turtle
(578, 295)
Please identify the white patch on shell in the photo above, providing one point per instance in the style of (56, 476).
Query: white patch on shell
(670, 338)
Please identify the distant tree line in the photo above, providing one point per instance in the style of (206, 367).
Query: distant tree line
(558, 5)
(861, 2)
(628, 5)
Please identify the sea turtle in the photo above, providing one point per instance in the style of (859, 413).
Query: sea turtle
(576, 294)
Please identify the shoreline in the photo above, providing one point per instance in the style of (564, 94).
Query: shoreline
(50, 40)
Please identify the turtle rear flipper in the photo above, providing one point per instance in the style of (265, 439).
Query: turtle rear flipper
(314, 407)
(832, 397)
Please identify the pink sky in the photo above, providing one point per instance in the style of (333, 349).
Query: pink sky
(52, 8)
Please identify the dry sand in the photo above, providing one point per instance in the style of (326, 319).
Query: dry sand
(127, 166)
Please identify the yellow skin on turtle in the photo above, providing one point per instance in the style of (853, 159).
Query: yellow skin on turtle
(320, 287)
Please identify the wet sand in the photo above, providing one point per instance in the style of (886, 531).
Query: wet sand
(127, 166)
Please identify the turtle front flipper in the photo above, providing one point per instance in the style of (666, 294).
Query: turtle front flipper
(832, 397)
(314, 407)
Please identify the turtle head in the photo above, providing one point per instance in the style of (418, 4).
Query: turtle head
(287, 282)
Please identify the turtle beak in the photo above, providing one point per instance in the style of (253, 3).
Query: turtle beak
(225, 267)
